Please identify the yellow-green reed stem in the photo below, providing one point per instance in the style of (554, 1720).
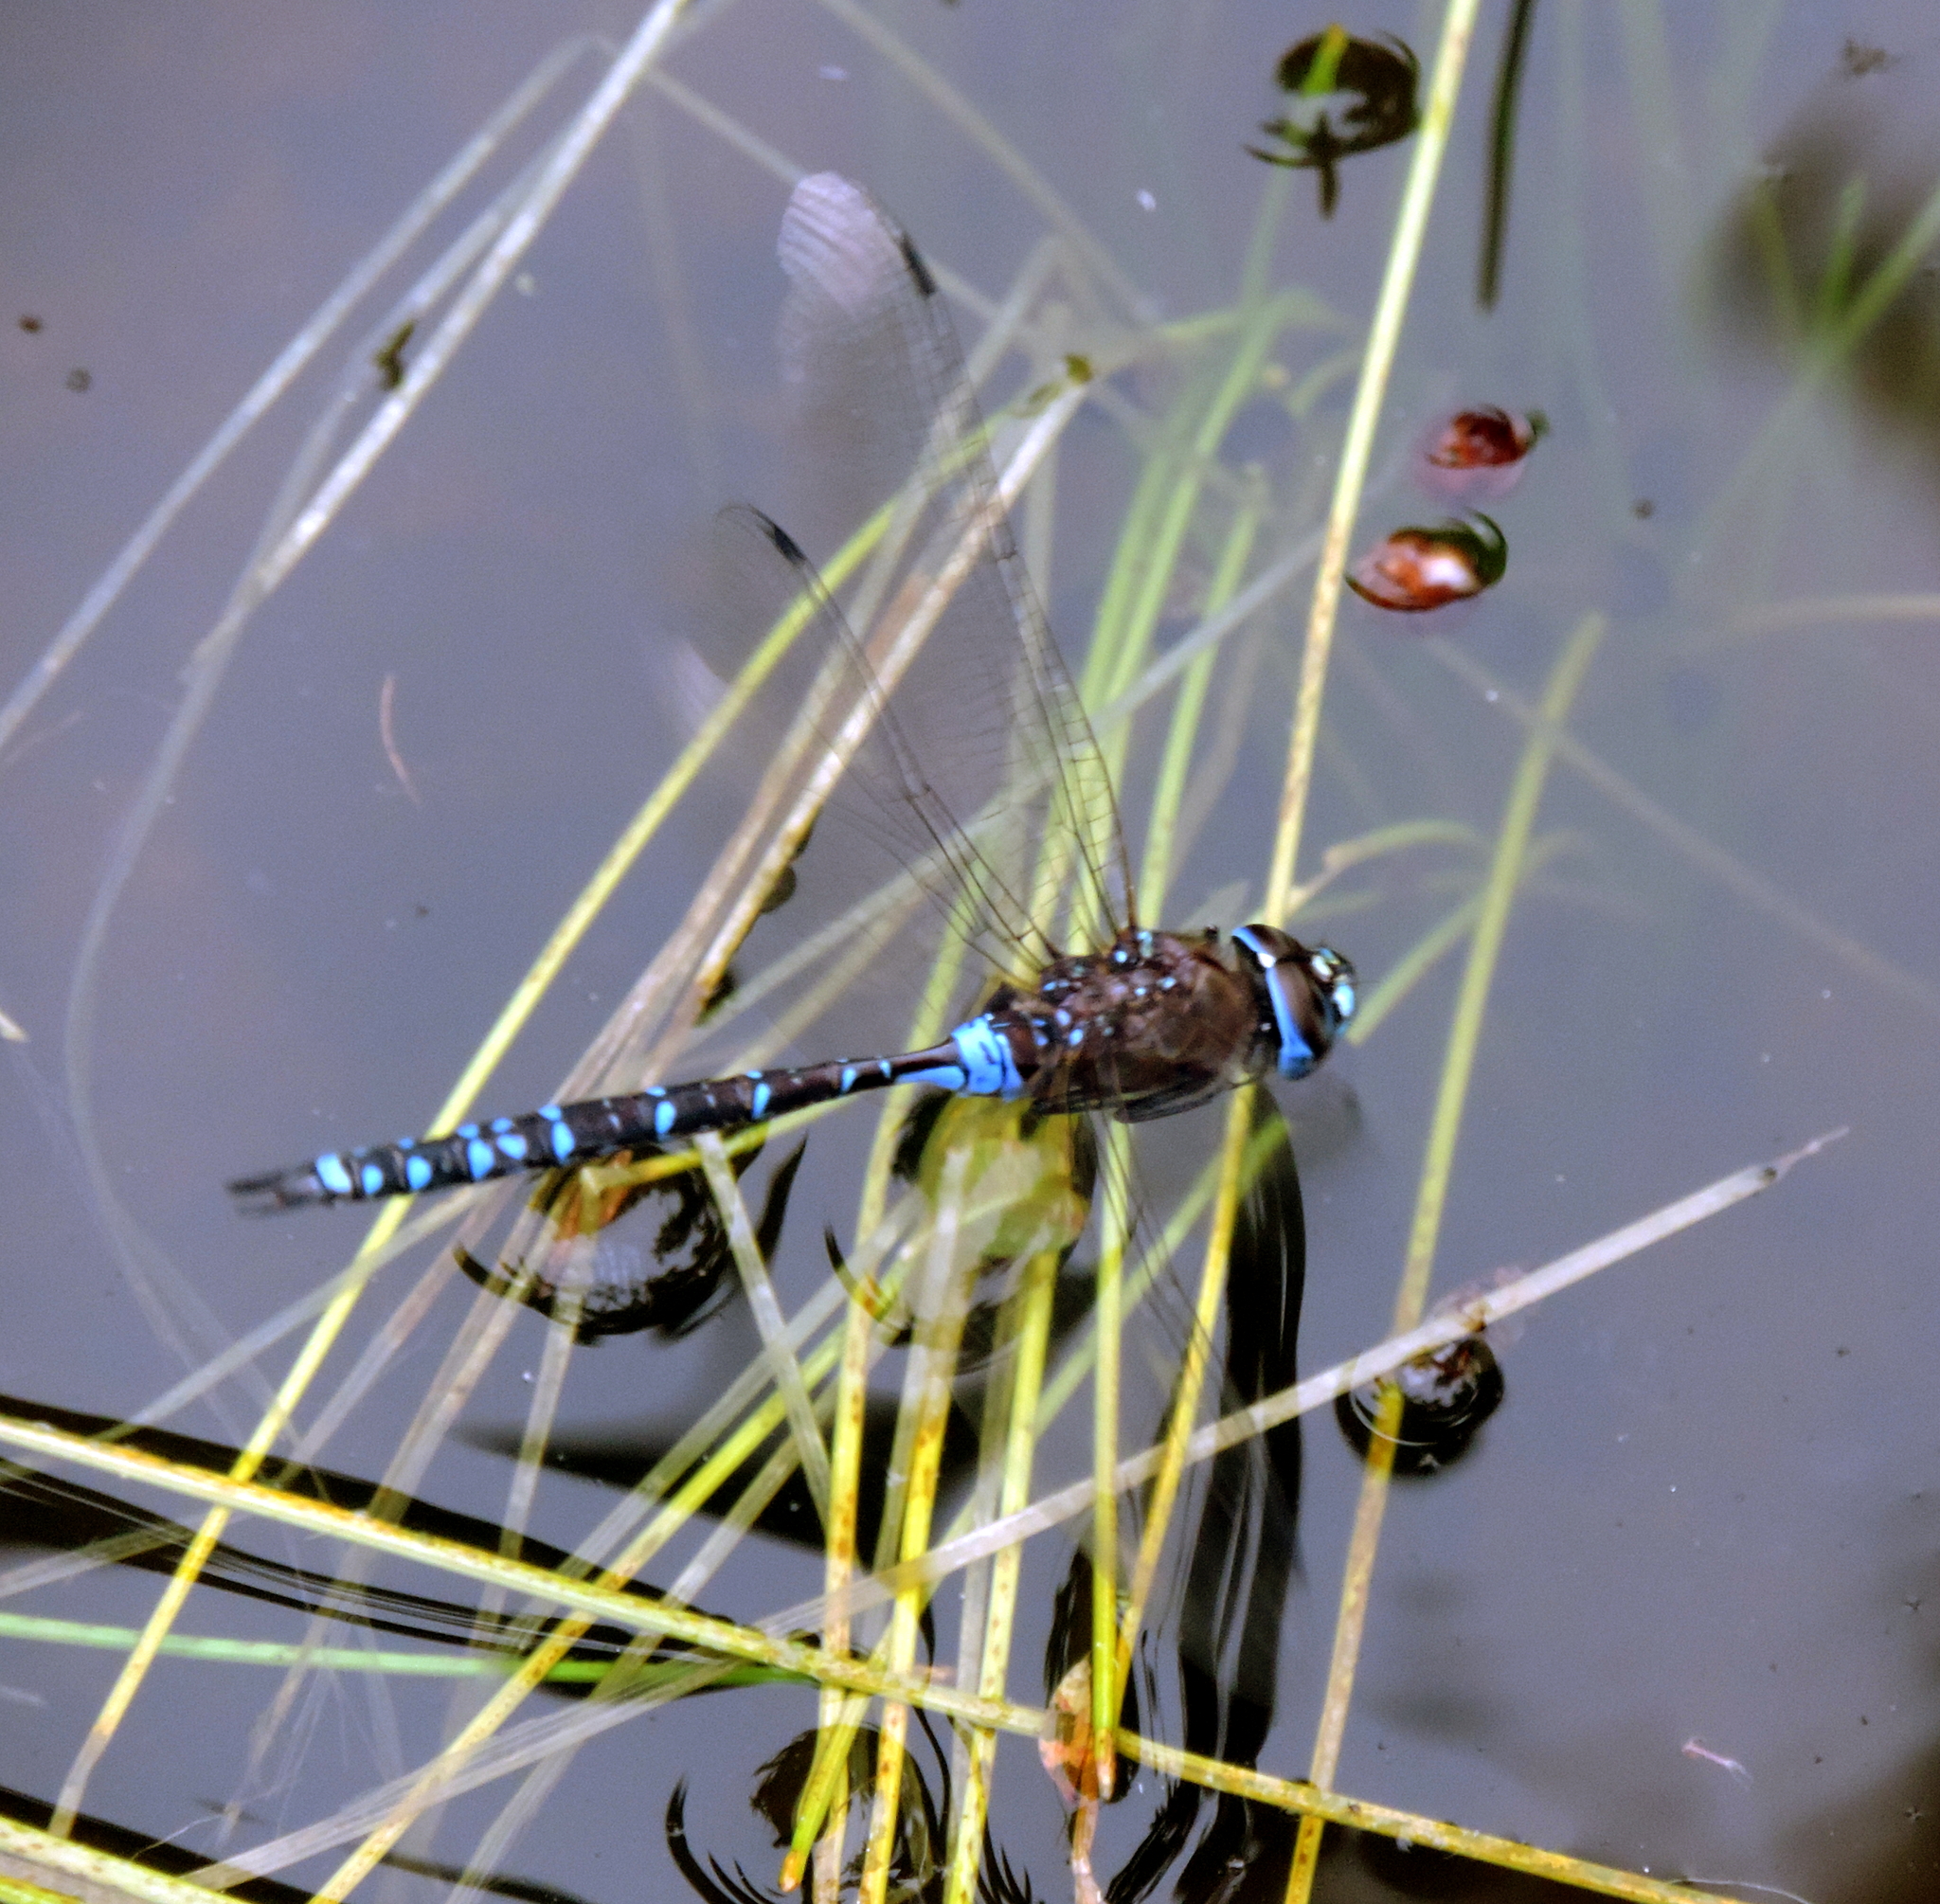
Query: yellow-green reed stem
(770, 1324)
(1433, 945)
(1029, 1348)
(1471, 1005)
(195, 1556)
(1187, 710)
(1458, 1068)
(1114, 1164)
(940, 1330)
(824, 1794)
(1361, 1815)
(837, 1714)
(1350, 1623)
(222, 1650)
(1384, 335)
(1191, 1378)
(1121, 649)
(1169, 487)
(725, 1459)
(700, 1487)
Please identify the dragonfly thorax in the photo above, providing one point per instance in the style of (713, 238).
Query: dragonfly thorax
(1155, 1022)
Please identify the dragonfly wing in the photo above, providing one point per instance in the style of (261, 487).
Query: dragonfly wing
(982, 738)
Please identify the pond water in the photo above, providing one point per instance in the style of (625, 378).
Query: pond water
(1707, 1513)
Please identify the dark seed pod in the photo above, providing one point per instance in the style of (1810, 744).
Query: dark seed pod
(1446, 1397)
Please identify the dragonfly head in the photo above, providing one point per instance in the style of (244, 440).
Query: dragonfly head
(1307, 991)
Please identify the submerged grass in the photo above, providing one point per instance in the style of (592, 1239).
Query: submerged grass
(804, 1400)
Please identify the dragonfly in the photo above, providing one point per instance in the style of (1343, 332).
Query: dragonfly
(977, 765)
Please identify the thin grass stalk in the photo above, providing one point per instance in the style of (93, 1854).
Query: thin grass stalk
(949, 1284)
(1726, 868)
(1187, 710)
(1384, 336)
(851, 1399)
(289, 364)
(560, 1339)
(1255, 339)
(925, 78)
(1107, 1310)
(825, 1793)
(1458, 1069)
(1029, 1350)
(1433, 945)
(769, 1322)
(823, 1796)
(1191, 1383)
(724, 1459)
(1349, 1624)
(1361, 1815)
(220, 1649)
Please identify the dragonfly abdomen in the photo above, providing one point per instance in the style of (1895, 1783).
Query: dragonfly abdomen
(977, 1059)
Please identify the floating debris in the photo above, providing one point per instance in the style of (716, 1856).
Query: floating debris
(1446, 1397)
(1376, 80)
(1416, 570)
(390, 359)
(1478, 455)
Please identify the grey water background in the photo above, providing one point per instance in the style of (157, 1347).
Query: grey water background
(1708, 1508)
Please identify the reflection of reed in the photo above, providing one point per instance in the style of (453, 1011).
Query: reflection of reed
(1244, 1552)
(1822, 261)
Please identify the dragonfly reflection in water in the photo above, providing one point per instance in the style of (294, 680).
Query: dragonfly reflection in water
(981, 727)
